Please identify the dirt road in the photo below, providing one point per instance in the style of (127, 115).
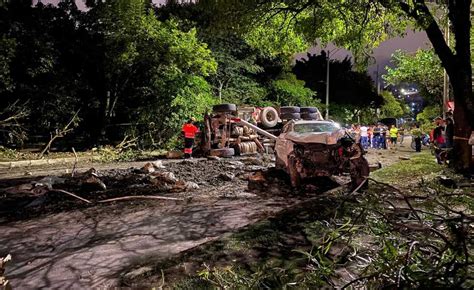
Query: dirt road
(90, 247)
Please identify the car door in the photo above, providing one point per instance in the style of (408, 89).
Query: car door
(283, 146)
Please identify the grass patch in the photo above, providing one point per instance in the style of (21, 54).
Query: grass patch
(420, 165)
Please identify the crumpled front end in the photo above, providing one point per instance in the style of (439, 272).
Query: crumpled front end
(312, 160)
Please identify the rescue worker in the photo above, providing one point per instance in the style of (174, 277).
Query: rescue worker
(189, 132)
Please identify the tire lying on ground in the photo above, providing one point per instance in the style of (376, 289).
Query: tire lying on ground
(269, 117)
(290, 116)
(289, 110)
(224, 108)
(222, 152)
(310, 116)
(308, 110)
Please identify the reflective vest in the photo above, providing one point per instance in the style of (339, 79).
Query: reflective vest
(189, 130)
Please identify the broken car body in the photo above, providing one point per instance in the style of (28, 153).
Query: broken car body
(306, 149)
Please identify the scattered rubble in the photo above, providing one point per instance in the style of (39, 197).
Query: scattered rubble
(4, 283)
(176, 181)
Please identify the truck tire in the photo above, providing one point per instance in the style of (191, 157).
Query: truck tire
(222, 152)
(289, 110)
(310, 116)
(290, 116)
(308, 110)
(224, 108)
(269, 117)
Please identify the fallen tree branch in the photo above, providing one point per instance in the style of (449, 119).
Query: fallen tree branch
(140, 197)
(71, 194)
(59, 134)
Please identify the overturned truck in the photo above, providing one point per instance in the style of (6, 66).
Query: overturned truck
(304, 144)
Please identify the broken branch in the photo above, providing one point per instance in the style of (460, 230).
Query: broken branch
(140, 197)
(71, 194)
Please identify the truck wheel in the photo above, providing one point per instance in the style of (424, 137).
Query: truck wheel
(269, 117)
(289, 110)
(224, 108)
(290, 116)
(223, 152)
(309, 116)
(309, 110)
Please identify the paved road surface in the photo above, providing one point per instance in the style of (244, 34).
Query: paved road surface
(84, 249)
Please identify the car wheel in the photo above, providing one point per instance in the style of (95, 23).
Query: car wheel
(295, 177)
(360, 171)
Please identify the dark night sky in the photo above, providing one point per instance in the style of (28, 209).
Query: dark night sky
(410, 42)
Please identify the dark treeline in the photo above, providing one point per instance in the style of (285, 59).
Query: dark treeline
(130, 68)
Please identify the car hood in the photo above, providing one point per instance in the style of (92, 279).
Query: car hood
(321, 138)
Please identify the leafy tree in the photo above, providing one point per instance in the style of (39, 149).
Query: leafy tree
(152, 66)
(234, 80)
(290, 91)
(392, 108)
(7, 51)
(359, 25)
(423, 68)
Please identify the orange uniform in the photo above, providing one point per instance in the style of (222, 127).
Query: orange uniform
(189, 131)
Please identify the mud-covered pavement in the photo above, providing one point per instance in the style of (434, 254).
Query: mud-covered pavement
(63, 243)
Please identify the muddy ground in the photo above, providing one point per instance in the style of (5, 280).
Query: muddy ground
(60, 242)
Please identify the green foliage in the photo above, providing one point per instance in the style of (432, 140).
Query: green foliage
(290, 91)
(153, 66)
(427, 116)
(356, 26)
(8, 154)
(7, 51)
(276, 36)
(423, 68)
(392, 108)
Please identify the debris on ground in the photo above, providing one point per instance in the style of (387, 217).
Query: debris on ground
(4, 283)
(33, 196)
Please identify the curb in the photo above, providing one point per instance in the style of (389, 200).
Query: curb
(37, 162)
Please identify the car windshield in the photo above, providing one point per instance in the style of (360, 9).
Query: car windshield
(315, 127)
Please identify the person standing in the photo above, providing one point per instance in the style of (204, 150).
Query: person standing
(449, 133)
(189, 131)
(364, 137)
(401, 134)
(416, 133)
(393, 136)
(376, 137)
(383, 137)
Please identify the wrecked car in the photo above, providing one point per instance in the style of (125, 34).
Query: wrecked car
(306, 149)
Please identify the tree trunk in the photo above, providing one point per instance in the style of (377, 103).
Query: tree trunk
(458, 67)
(463, 123)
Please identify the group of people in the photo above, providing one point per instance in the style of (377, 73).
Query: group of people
(378, 136)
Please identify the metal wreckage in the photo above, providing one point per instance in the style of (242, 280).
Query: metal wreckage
(305, 145)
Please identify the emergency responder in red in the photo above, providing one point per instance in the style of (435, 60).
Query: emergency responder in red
(189, 131)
